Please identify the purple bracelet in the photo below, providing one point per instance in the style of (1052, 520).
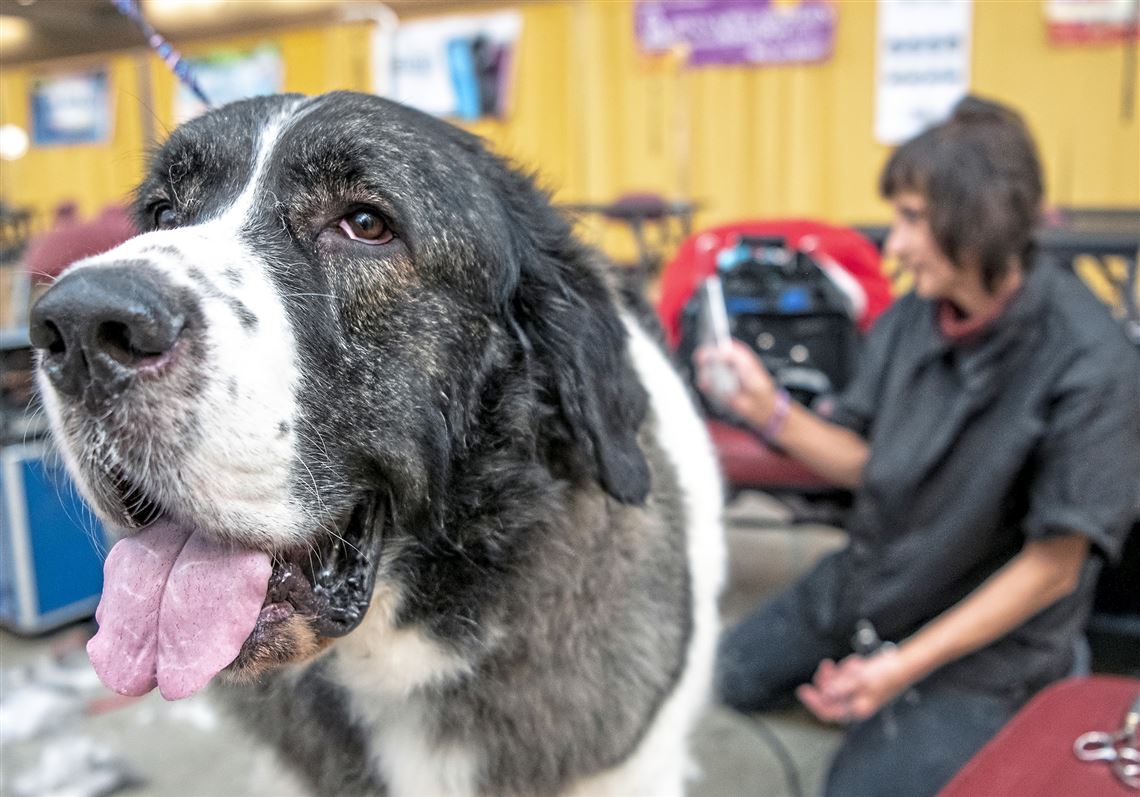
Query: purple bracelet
(778, 418)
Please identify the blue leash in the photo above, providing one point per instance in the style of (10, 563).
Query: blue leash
(171, 57)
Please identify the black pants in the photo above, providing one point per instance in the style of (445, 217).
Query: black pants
(910, 749)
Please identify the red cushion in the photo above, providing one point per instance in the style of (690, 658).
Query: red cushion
(746, 462)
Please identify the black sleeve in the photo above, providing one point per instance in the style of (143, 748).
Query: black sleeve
(1088, 475)
(856, 406)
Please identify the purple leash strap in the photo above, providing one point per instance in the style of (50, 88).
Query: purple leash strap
(171, 57)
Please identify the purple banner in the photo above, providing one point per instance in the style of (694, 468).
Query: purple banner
(738, 31)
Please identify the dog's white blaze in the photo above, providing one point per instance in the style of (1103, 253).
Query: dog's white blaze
(239, 474)
(236, 214)
(660, 764)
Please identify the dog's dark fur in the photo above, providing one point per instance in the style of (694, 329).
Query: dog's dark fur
(471, 379)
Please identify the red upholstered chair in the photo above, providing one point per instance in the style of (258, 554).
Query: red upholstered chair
(746, 462)
(49, 253)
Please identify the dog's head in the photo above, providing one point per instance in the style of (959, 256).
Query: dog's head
(337, 306)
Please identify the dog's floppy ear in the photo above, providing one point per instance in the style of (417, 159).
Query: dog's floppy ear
(556, 302)
(565, 315)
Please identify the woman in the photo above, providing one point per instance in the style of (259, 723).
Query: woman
(992, 441)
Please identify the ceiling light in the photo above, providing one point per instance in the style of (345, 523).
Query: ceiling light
(13, 142)
(182, 15)
(14, 33)
(165, 12)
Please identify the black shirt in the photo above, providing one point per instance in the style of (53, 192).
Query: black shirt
(1029, 431)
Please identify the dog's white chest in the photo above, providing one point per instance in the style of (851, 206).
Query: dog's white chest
(383, 668)
(412, 768)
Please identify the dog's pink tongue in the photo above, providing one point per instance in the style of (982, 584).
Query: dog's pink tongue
(125, 651)
(176, 608)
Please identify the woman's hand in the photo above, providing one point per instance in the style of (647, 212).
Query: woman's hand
(834, 452)
(1042, 573)
(856, 688)
(754, 396)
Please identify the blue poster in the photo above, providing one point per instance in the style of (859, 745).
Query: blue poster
(71, 109)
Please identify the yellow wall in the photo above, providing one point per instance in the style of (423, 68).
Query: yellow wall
(90, 174)
(598, 118)
(1072, 98)
(601, 119)
(142, 92)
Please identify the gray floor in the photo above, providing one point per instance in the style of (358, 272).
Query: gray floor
(188, 749)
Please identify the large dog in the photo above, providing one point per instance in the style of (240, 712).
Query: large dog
(387, 451)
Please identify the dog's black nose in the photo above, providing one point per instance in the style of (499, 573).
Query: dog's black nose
(99, 325)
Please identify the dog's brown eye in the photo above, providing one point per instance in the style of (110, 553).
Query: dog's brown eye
(164, 216)
(366, 227)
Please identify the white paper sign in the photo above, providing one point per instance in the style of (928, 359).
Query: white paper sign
(430, 74)
(923, 65)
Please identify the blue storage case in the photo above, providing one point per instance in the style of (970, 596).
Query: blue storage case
(51, 545)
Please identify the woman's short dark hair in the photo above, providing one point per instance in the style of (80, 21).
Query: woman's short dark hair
(981, 178)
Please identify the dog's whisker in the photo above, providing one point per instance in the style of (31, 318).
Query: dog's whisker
(309, 295)
(312, 567)
(315, 430)
(49, 278)
(323, 528)
(316, 489)
(32, 416)
(67, 505)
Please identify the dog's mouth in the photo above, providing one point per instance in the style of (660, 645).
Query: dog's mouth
(329, 584)
(179, 606)
(316, 593)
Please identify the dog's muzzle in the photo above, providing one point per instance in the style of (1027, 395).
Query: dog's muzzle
(101, 326)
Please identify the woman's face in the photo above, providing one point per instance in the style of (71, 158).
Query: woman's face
(912, 244)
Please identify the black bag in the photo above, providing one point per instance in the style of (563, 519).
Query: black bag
(786, 308)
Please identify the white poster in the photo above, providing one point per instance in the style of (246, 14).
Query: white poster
(230, 75)
(923, 65)
(455, 66)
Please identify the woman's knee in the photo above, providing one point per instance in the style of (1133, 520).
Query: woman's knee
(742, 682)
(757, 667)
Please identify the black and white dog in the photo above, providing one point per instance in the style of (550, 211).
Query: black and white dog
(389, 454)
